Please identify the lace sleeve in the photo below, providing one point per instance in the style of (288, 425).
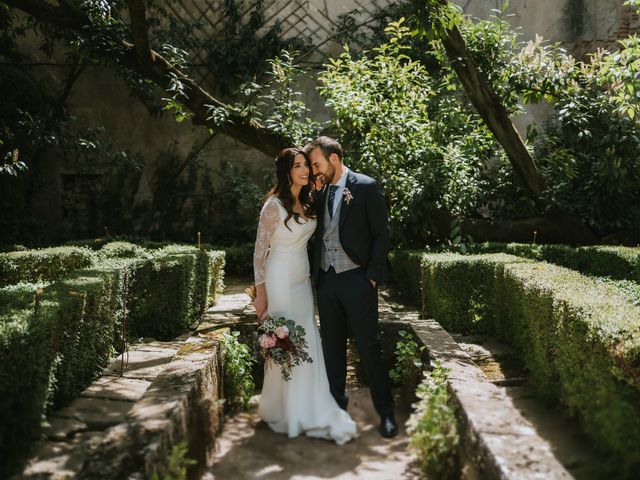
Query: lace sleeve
(269, 218)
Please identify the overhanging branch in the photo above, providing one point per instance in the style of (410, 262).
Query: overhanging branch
(160, 71)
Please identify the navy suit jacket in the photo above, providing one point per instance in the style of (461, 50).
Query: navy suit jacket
(364, 227)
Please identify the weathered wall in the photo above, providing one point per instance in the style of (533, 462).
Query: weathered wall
(100, 96)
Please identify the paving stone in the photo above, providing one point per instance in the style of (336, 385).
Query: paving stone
(60, 460)
(248, 449)
(142, 364)
(96, 413)
(117, 388)
(59, 429)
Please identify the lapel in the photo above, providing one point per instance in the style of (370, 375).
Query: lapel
(351, 185)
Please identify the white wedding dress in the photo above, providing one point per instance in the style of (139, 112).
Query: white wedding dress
(304, 404)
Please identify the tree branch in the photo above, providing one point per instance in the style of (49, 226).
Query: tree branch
(492, 111)
(196, 99)
(140, 33)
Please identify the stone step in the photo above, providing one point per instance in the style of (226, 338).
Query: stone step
(126, 423)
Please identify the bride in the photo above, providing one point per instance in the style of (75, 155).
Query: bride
(304, 404)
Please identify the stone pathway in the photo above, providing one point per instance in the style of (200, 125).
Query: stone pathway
(247, 449)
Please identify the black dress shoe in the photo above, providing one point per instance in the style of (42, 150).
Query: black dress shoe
(388, 427)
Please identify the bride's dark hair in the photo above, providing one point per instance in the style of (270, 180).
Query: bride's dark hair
(282, 189)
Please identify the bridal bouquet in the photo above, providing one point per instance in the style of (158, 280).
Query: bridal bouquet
(282, 342)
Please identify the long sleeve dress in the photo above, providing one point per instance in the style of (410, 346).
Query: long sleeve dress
(304, 404)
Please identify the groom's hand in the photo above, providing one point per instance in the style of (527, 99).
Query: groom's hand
(373, 282)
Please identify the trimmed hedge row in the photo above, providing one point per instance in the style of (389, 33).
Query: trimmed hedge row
(42, 265)
(617, 262)
(53, 348)
(170, 290)
(407, 274)
(579, 337)
(238, 258)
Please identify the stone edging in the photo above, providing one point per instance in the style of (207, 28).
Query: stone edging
(498, 440)
(180, 403)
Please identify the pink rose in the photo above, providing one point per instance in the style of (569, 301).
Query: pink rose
(282, 331)
(264, 340)
(267, 341)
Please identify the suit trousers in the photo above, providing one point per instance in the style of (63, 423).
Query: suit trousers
(348, 299)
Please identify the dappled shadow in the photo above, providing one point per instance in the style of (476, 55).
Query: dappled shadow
(248, 448)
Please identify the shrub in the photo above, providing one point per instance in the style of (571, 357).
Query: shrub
(177, 464)
(217, 264)
(238, 382)
(432, 428)
(456, 291)
(407, 274)
(12, 248)
(408, 364)
(92, 243)
(159, 295)
(53, 348)
(238, 258)
(171, 290)
(43, 265)
(28, 361)
(579, 337)
(122, 250)
(89, 311)
(601, 260)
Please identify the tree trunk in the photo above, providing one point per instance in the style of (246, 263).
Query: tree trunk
(555, 225)
(493, 112)
(552, 227)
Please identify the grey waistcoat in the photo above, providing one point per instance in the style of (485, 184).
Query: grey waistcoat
(332, 252)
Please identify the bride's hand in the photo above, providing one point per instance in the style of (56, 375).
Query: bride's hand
(260, 304)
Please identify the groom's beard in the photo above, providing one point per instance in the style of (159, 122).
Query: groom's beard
(328, 179)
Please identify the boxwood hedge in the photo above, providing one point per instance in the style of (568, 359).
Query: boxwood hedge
(579, 337)
(53, 344)
(42, 265)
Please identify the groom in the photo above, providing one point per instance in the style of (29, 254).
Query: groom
(350, 260)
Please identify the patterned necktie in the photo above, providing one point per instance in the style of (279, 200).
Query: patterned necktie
(332, 197)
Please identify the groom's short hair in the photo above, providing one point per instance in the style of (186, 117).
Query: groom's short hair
(327, 145)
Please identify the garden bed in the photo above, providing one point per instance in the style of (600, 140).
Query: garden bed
(579, 338)
(57, 335)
